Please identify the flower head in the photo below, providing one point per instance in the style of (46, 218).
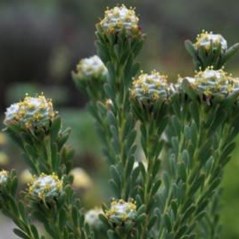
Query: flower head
(121, 211)
(150, 87)
(120, 19)
(29, 113)
(91, 67)
(212, 81)
(4, 175)
(92, 217)
(208, 40)
(46, 187)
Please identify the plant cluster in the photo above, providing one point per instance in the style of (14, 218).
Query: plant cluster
(166, 144)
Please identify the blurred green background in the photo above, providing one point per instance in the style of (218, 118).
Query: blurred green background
(42, 40)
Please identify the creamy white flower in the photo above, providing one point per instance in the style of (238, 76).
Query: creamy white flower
(150, 87)
(212, 81)
(31, 112)
(92, 217)
(46, 186)
(209, 73)
(208, 40)
(11, 113)
(3, 177)
(121, 211)
(120, 18)
(91, 67)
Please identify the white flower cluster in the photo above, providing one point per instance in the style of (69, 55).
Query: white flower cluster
(29, 113)
(46, 187)
(212, 81)
(208, 40)
(120, 19)
(91, 67)
(92, 217)
(121, 211)
(3, 177)
(150, 87)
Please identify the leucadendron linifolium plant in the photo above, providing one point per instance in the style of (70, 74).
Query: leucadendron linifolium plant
(186, 134)
(150, 95)
(200, 132)
(217, 92)
(210, 49)
(118, 41)
(36, 127)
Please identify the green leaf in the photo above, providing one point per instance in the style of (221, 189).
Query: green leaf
(63, 137)
(182, 171)
(109, 92)
(190, 48)
(74, 216)
(196, 183)
(142, 169)
(129, 166)
(135, 174)
(156, 167)
(55, 127)
(112, 118)
(188, 213)
(167, 222)
(62, 217)
(111, 234)
(141, 218)
(141, 209)
(34, 231)
(228, 150)
(182, 231)
(186, 157)
(230, 52)
(130, 139)
(152, 221)
(176, 126)
(194, 110)
(21, 233)
(116, 187)
(115, 174)
(155, 187)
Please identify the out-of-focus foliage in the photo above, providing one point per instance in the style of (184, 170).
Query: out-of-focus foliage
(230, 205)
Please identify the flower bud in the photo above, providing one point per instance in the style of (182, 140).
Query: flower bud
(92, 217)
(121, 211)
(210, 82)
(89, 68)
(210, 41)
(150, 88)
(210, 85)
(4, 176)
(32, 112)
(120, 19)
(45, 187)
